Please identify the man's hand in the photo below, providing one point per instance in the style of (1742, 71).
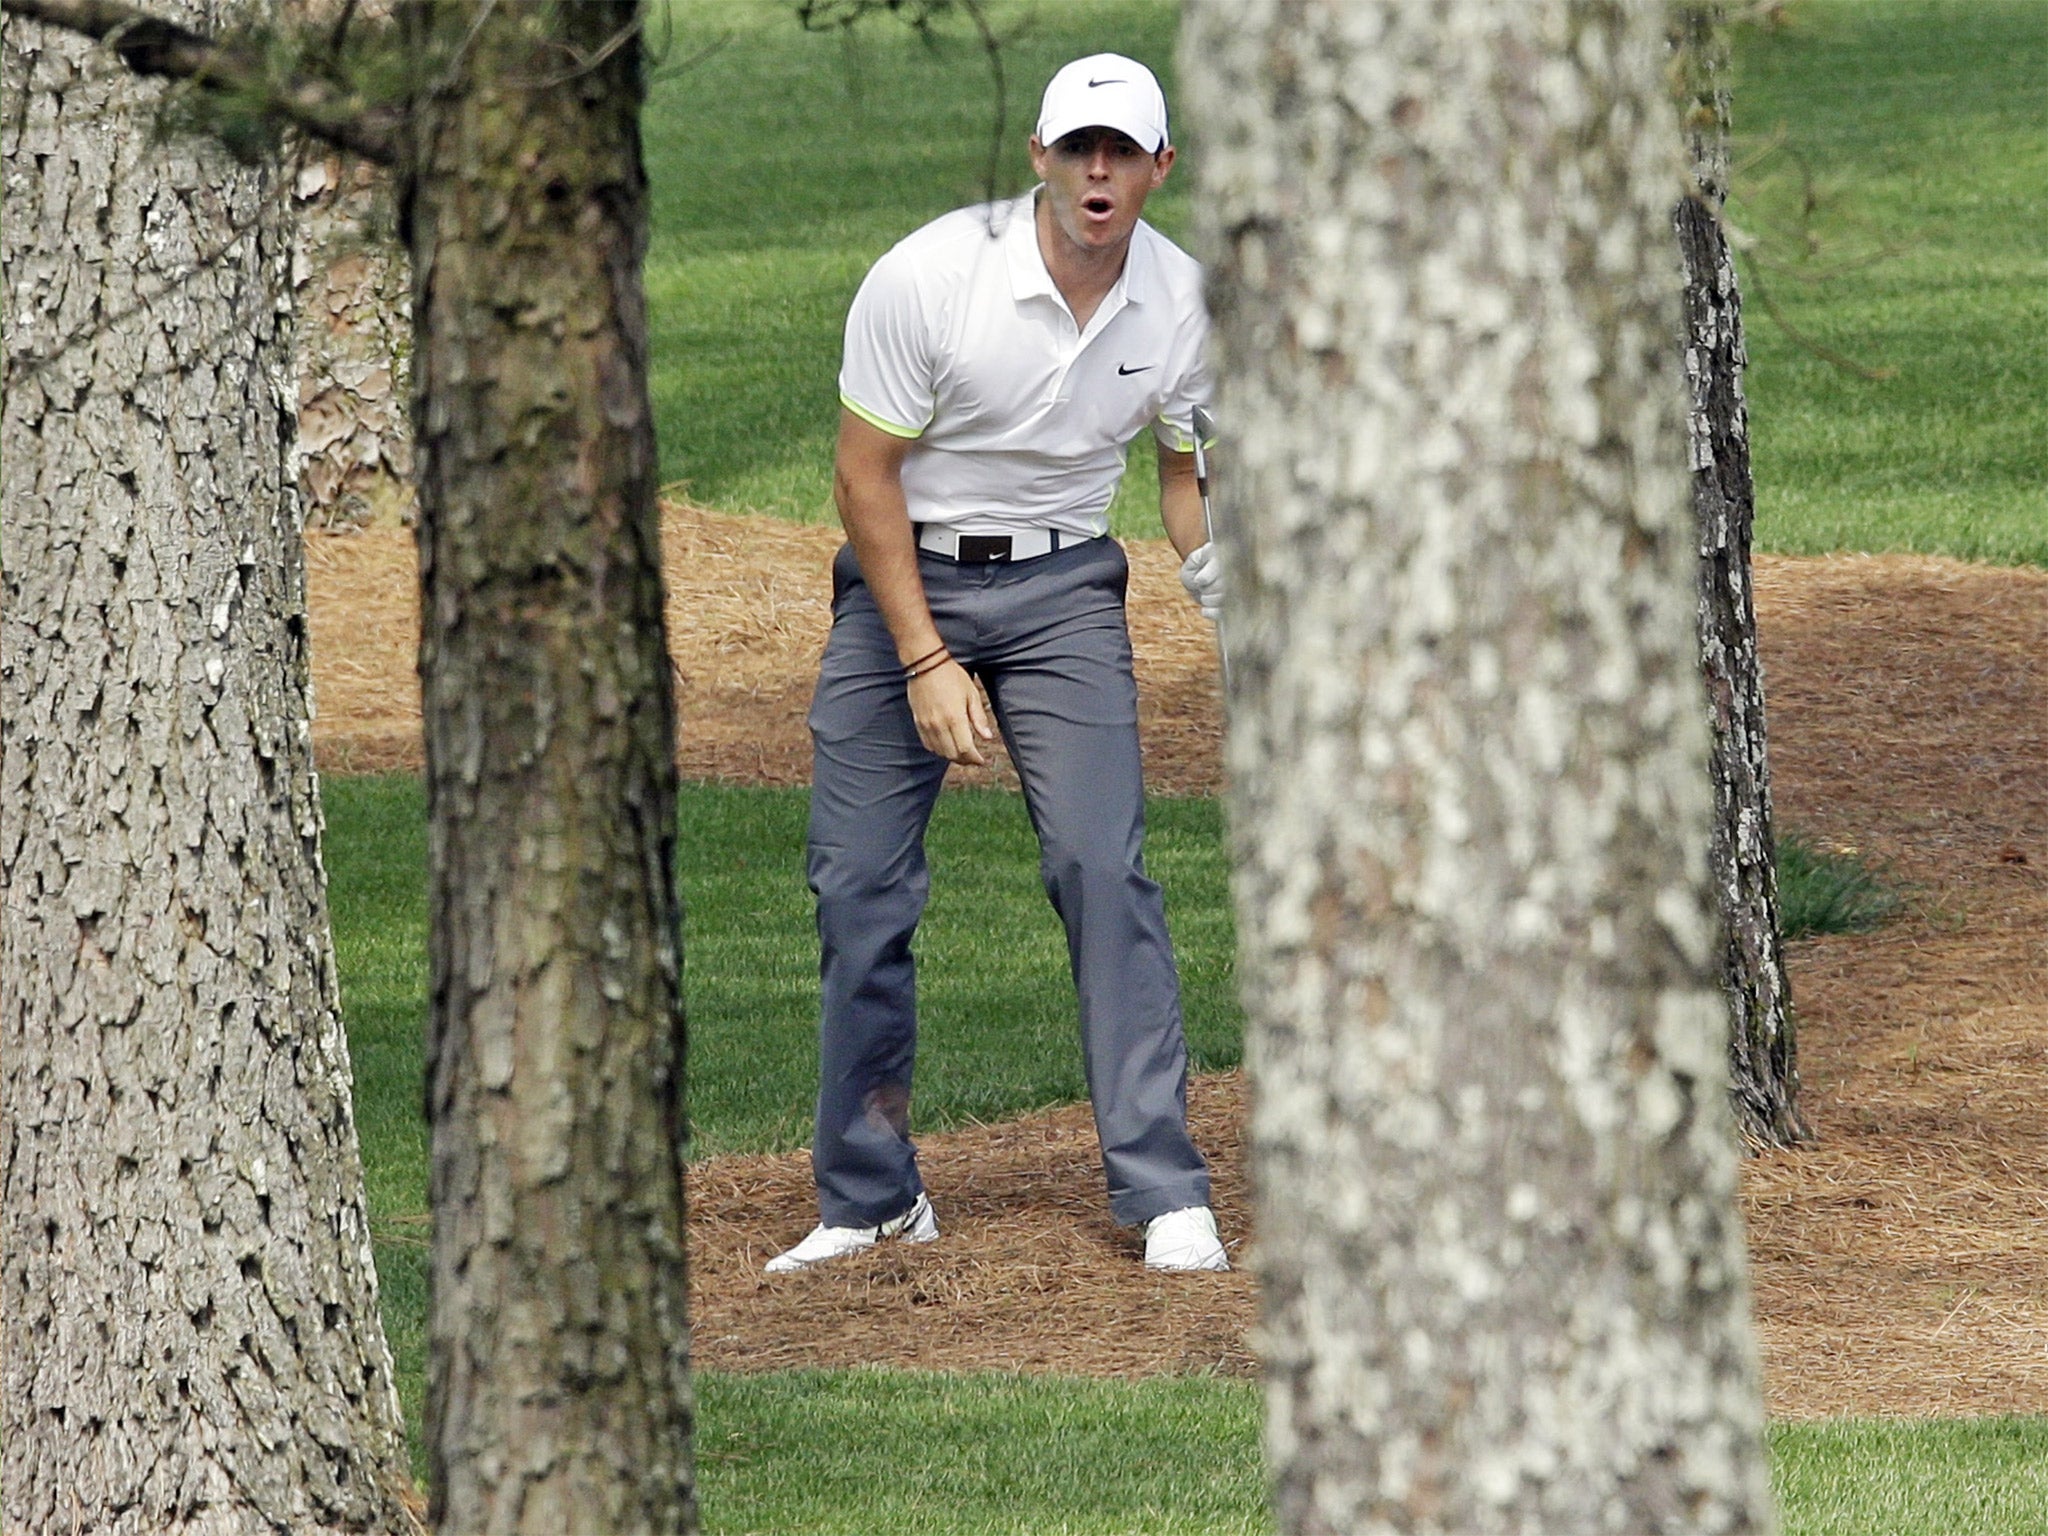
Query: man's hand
(1202, 574)
(949, 714)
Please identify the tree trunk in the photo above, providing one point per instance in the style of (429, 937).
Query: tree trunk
(560, 1396)
(1763, 1056)
(355, 319)
(192, 1337)
(355, 347)
(1503, 1281)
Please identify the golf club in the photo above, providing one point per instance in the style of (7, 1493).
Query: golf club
(1205, 427)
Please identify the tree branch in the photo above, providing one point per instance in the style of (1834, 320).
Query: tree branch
(150, 45)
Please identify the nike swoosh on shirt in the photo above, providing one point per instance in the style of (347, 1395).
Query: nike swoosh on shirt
(1123, 372)
(1093, 83)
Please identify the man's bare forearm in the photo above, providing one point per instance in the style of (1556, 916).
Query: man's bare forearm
(867, 486)
(887, 550)
(867, 483)
(1180, 502)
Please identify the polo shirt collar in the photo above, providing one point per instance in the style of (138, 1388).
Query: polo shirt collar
(1028, 276)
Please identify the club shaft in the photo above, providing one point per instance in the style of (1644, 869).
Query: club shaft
(1204, 426)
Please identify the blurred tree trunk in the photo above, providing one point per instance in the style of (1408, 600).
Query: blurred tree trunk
(352, 289)
(355, 347)
(1503, 1279)
(192, 1336)
(1763, 1055)
(560, 1394)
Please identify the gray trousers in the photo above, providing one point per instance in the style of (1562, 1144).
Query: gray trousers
(1047, 637)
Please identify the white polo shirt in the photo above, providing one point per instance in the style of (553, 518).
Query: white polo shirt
(959, 340)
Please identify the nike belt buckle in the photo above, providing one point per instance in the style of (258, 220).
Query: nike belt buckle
(983, 548)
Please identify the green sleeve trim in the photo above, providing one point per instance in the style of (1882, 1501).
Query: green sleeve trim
(1182, 442)
(873, 420)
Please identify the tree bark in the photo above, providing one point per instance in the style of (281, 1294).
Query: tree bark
(1503, 1283)
(355, 347)
(192, 1336)
(560, 1396)
(353, 293)
(1763, 1056)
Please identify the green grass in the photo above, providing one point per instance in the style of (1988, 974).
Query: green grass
(861, 1451)
(376, 855)
(782, 164)
(996, 1028)
(997, 1024)
(997, 1032)
(1823, 890)
(1918, 123)
(1904, 1477)
(996, 1007)
(866, 1451)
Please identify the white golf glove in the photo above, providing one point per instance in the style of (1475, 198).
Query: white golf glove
(1202, 574)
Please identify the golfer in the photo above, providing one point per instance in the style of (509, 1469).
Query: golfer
(997, 363)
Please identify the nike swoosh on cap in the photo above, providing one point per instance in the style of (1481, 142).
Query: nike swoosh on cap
(1123, 372)
(1093, 83)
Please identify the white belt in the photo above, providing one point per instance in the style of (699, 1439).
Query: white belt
(1024, 544)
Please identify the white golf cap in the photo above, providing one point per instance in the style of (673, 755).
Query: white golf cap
(1104, 90)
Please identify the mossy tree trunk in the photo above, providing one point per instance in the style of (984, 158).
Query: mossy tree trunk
(560, 1394)
(1763, 1057)
(192, 1336)
(1503, 1283)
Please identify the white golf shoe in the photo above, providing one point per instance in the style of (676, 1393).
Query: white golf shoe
(919, 1224)
(1184, 1239)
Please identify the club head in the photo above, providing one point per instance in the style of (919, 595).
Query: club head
(1205, 425)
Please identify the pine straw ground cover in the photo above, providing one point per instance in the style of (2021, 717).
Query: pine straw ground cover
(1900, 1262)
